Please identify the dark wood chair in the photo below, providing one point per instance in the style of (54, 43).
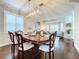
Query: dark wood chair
(22, 47)
(13, 43)
(13, 38)
(48, 48)
(20, 32)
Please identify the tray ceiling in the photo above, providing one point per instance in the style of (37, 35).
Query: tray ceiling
(48, 9)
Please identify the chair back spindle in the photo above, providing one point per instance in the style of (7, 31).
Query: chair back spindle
(20, 32)
(11, 37)
(52, 40)
(19, 38)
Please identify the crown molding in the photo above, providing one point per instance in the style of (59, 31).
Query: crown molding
(10, 8)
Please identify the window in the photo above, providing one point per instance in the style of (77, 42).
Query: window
(56, 27)
(10, 22)
(47, 28)
(61, 27)
(53, 27)
(19, 23)
(13, 22)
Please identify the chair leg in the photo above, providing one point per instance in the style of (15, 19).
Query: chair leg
(52, 54)
(22, 55)
(12, 51)
(18, 54)
(45, 55)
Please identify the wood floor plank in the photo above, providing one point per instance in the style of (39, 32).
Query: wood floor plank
(63, 50)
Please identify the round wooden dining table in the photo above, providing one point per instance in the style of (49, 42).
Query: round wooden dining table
(36, 39)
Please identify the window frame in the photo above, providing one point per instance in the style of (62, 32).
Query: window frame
(15, 20)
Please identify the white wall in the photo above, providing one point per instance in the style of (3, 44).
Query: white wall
(29, 24)
(76, 27)
(4, 38)
(1, 19)
(69, 19)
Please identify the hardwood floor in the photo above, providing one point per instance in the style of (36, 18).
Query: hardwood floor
(63, 50)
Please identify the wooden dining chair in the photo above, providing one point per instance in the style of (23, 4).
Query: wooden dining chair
(22, 47)
(12, 37)
(13, 43)
(48, 48)
(20, 32)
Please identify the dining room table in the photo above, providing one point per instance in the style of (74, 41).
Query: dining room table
(36, 39)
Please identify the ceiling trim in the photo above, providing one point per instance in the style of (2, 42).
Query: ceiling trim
(10, 8)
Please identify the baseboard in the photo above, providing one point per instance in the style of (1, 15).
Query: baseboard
(77, 48)
(1, 45)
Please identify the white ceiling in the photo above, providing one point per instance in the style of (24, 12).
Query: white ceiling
(51, 9)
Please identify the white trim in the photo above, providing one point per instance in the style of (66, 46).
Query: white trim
(1, 45)
(77, 48)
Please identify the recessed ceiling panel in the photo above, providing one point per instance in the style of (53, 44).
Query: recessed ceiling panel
(47, 8)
